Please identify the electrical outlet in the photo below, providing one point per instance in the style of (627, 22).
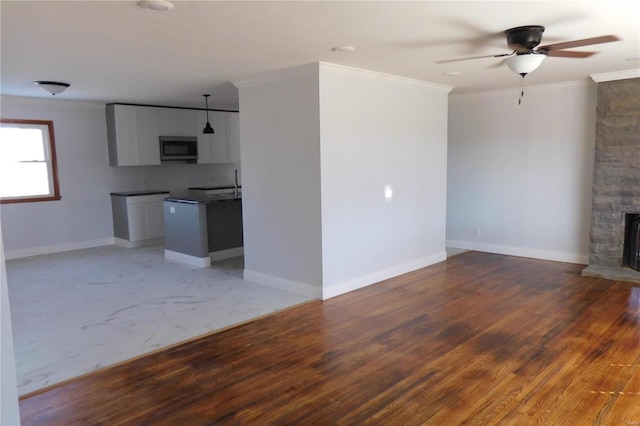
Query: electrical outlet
(172, 209)
(476, 231)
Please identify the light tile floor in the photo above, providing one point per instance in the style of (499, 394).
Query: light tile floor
(79, 311)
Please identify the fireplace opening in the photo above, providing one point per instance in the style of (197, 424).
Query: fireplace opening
(631, 254)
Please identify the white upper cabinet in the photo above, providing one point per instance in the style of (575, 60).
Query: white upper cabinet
(167, 122)
(148, 136)
(233, 136)
(176, 121)
(219, 124)
(132, 135)
(212, 148)
(186, 122)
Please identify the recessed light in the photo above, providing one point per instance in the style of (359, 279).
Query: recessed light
(343, 49)
(451, 73)
(157, 5)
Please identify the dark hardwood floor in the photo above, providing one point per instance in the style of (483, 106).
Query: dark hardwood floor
(479, 339)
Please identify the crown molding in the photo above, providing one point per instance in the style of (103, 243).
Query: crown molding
(316, 67)
(382, 77)
(538, 88)
(616, 75)
(9, 99)
(283, 74)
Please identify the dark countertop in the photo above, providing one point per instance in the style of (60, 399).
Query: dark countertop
(138, 193)
(209, 188)
(203, 199)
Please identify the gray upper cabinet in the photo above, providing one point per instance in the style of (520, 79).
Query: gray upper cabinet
(132, 134)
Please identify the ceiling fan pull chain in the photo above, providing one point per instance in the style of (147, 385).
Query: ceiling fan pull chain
(521, 89)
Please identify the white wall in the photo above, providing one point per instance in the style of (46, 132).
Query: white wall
(522, 174)
(319, 144)
(9, 409)
(83, 216)
(280, 132)
(380, 131)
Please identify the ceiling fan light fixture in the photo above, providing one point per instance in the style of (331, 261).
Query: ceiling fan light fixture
(52, 87)
(524, 63)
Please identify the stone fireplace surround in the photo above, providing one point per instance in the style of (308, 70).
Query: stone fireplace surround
(616, 177)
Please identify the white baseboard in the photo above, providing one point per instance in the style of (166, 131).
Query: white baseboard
(344, 287)
(376, 277)
(303, 289)
(581, 259)
(199, 262)
(130, 244)
(57, 248)
(226, 254)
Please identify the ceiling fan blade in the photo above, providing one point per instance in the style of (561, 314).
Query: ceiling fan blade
(579, 43)
(569, 54)
(498, 64)
(446, 61)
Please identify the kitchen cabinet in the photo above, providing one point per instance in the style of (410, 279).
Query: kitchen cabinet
(138, 217)
(233, 137)
(167, 122)
(132, 134)
(176, 121)
(212, 148)
(224, 145)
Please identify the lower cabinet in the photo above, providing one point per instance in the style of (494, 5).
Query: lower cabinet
(138, 219)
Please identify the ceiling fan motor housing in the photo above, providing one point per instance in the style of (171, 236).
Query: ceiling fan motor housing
(524, 39)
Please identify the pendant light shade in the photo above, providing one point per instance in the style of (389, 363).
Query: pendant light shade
(207, 129)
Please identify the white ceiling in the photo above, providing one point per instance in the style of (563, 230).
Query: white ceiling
(115, 51)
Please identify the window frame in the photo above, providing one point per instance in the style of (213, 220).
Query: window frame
(52, 161)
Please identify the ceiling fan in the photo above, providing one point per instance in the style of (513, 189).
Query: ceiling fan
(527, 55)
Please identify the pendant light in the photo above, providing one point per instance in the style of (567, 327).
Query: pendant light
(207, 129)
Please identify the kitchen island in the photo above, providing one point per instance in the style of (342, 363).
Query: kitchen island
(202, 228)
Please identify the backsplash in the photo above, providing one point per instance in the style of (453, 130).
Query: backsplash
(173, 177)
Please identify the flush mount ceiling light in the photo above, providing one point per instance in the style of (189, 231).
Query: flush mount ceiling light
(52, 87)
(157, 5)
(524, 63)
(207, 129)
(343, 49)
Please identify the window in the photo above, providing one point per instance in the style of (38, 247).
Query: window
(28, 170)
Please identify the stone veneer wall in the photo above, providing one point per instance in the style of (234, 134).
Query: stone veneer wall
(616, 175)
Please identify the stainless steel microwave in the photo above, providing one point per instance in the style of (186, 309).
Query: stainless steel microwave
(178, 148)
